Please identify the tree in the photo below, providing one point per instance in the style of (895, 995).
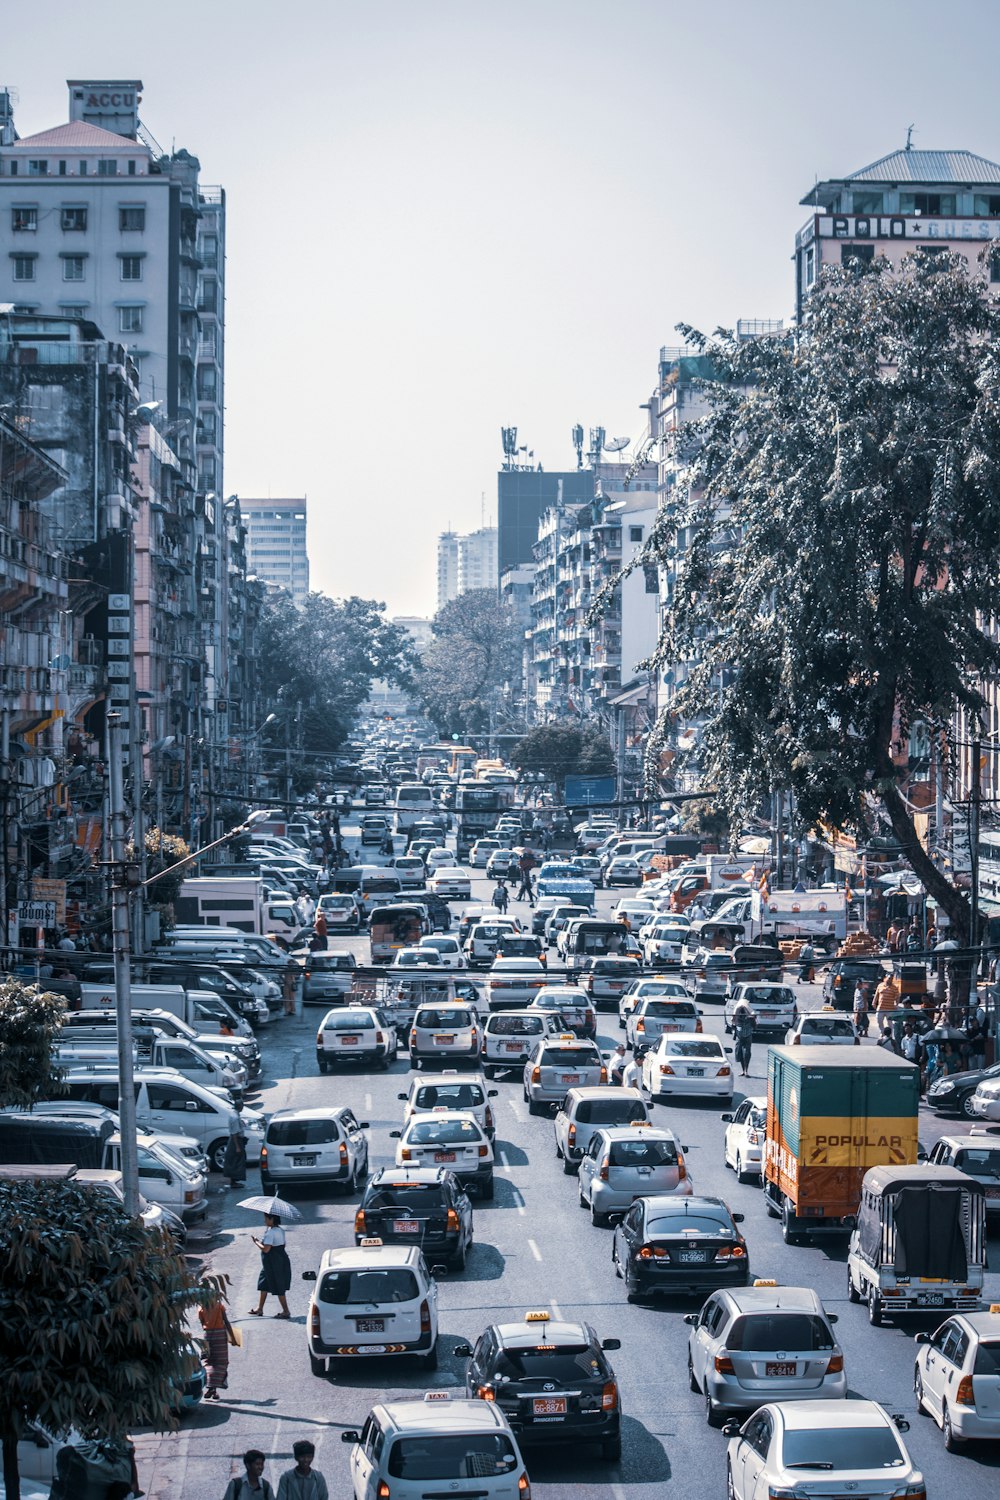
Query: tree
(476, 649)
(556, 751)
(92, 1317)
(30, 1020)
(842, 546)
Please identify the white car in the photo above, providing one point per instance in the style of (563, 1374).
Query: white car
(411, 870)
(513, 983)
(479, 854)
(484, 938)
(854, 1446)
(680, 1065)
(985, 1102)
(956, 1377)
(414, 958)
(314, 1146)
(340, 909)
(656, 1014)
(639, 989)
(557, 1064)
(452, 1438)
(746, 1130)
(439, 1093)
(438, 856)
(772, 1004)
(509, 1036)
(449, 880)
(662, 941)
(822, 1030)
(453, 1140)
(355, 1034)
(447, 951)
(442, 1032)
(635, 910)
(370, 1302)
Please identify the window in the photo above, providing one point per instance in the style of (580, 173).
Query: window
(868, 203)
(208, 427)
(74, 267)
(810, 267)
(935, 204)
(210, 250)
(38, 169)
(635, 533)
(22, 219)
(207, 382)
(208, 301)
(986, 205)
(652, 578)
(995, 267)
(130, 320)
(131, 218)
(131, 168)
(131, 267)
(73, 219)
(73, 309)
(863, 253)
(24, 267)
(107, 166)
(62, 169)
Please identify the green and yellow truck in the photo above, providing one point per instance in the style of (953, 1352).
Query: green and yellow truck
(833, 1112)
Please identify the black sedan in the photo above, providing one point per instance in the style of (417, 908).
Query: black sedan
(550, 1379)
(953, 1095)
(423, 1206)
(672, 1245)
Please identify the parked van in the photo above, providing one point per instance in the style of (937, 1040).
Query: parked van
(76, 1050)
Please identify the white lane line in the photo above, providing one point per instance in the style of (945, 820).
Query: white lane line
(556, 1311)
(503, 1160)
(368, 1103)
(617, 1491)
(516, 1107)
(534, 1250)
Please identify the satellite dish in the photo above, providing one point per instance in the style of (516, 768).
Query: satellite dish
(615, 445)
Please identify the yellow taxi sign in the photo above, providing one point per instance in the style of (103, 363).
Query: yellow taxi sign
(370, 1243)
(995, 1307)
(536, 1317)
(436, 1396)
(567, 1036)
(764, 1281)
(640, 1124)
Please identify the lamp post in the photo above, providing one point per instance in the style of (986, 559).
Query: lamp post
(121, 879)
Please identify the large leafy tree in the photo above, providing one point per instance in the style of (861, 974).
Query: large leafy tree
(476, 649)
(842, 556)
(556, 751)
(30, 1020)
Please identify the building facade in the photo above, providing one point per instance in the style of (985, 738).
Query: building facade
(277, 549)
(447, 568)
(477, 560)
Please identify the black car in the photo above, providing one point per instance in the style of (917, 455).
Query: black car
(438, 910)
(678, 1245)
(953, 1095)
(425, 1206)
(550, 1380)
(842, 977)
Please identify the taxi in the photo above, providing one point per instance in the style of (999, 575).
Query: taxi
(585, 1110)
(572, 1004)
(436, 1093)
(514, 982)
(453, 1140)
(607, 978)
(557, 1064)
(409, 1449)
(625, 1162)
(443, 1031)
(425, 1206)
(655, 1014)
(374, 1301)
(639, 989)
(509, 1036)
(550, 1379)
(956, 1377)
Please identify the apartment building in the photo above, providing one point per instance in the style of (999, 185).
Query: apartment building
(277, 549)
(465, 562)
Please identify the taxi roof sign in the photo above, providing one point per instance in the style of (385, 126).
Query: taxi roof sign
(370, 1243)
(640, 1124)
(764, 1281)
(567, 1036)
(995, 1307)
(437, 1396)
(536, 1317)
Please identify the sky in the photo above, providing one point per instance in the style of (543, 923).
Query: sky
(445, 216)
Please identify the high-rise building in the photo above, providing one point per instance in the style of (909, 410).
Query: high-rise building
(523, 497)
(477, 560)
(276, 543)
(447, 568)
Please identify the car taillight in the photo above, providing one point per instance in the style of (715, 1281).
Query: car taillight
(536, 1075)
(523, 1488)
(836, 1364)
(425, 1316)
(489, 1114)
(724, 1072)
(698, 1026)
(451, 1221)
(609, 1396)
(379, 1037)
(724, 1365)
(343, 1154)
(382, 1493)
(319, 1039)
(604, 1075)
(666, 1068)
(731, 1252)
(603, 1174)
(964, 1395)
(263, 1156)
(640, 1025)
(651, 1252)
(484, 1151)
(486, 1393)
(571, 1135)
(359, 1221)
(405, 1154)
(682, 1170)
(413, 1038)
(796, 1041)
(314, 1323)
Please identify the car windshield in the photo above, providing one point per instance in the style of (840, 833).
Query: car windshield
(563, 1364)
(841, 1447)
(441, 1020)
(643, 1152)
(448, 1096)
(394, 1284)
(434, 1132)
(706, 1048)
(474, 1455)
(979, 1163)
(301, 1132)
(774, 1332)
(514, 1026)
(416, 1198)
(663, 1226)
(569, 1057)
(349, 1020)
(609, 1111)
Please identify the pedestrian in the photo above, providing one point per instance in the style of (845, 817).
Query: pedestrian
(619, 1057)
(914, 942)
(632, 1074)
(305, 906)
(909, 1042)
(861, 1007)
(743, 1024)
(217, 1336)
(66, 943)
(252, 1485)
(234, 1162)
(320, 931)
(275, 1268)
(526, 891)
(885, 1003)
(807, 955)
(500, 896)
(303, 1482)
(289, 981)
(976, 1038)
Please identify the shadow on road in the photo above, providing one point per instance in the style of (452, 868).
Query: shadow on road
(485, 1263)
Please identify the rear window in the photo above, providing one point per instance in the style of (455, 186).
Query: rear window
(449, 1096)
(569, 1057)
(987, 1360)
(609, 1111)
(681, 1223)
(346, 1020)
(385, 887)
(478, 1455)
(707, 1048)
(643, 1153)
(442, 1019)
(841, 1447)
(621, 966)
(979, 1163)
(827, 1026)
(431, 1132)
(302, 1132)
(519, 947)
(764, 994)
(660, 1009)
(422, 1197)
(515, 1025)
(395, 1284)
(772, 1333)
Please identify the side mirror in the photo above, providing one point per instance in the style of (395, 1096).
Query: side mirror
(730, 1051)
(308, 1275)
(492, 1093)
(438, 1271)
(729, 1429)
(364, 1125)
(349, 1435)
(611, 1344)
(395, 1134)
(738, 1218)
(462, 1351)
(404, 1097)
(902, 1425)
(728, 1119)
(191, 1105)
(691, 1318)
(921, 1338)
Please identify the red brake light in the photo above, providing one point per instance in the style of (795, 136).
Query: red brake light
(698, 1026)
(571, 1134)
(723, 1072)
(451, 1222)
(425, 1316)
(604, 1075)
(836, 1364)
(382, 1492)
(343, 1154)
(666, 1068)
(359, 1221)
(724, 1365)
(964, 1395)
(609, 1396)
(603, 1174)
(536, 1075)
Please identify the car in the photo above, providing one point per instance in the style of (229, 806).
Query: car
(435, 1093)
(954, 1095)
(446, 950)
(956, 1377)
(450, 1139)
(356, 1034)
(657, 1014)
(550, 1379)
(977, 1155)
(373, 1301)
(325, 1145)
(424, 1206)
(438, 912)
(622, 870)
(632, 911)
(514, 982)
(557, 917)
(340, 909)
(327, 977)
(591, 867)
(451, 882)
(605, 980)
(502, 865)
(763, 1342)
(374, 828)
(822, 1029)
(483, 939)
(376, 795)
(411, 870)
(572, 1004)
(707, 975)
(558, 1063)
(438, 857)
(481, 851)
(443, 1441)
(585, 1110)
(679, 1245)
(682, 1065)
(443, 1032)
(746, 1132)
(639, 989)
(842, 977)
(772, 1004)
(521, 945)
(510, 1035)
(661, 940)
(625, 1162)
(414, 958)
(853, 1445)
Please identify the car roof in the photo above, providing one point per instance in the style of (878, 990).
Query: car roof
(657, 1204)
(554, 1040)
(447, 1076)
(519, 965)
(369, 1255)
(685, 1038)
(628, 1133)
(456, 1414)
(985, 1325)
(339, 1010)
(604, 1091)
(750, 1299)
(528, 1335)
(572, 991)
(322, 1113)
(805, 1414)
(407, 1175)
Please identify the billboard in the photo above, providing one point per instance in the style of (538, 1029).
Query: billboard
(587, 791)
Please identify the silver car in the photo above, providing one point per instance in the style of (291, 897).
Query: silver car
(763, 1343)
(585, 1110)
(558, 1064)
(623, 1162)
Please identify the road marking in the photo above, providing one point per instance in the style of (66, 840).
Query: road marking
(503, 1160)
(518, 1114)
(617, 1491)
(557, 1311)
(534, 1250)
(368, 1103)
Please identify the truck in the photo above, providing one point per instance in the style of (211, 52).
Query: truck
(919, 1243)
(235, 901)
(832, 1113)
(714, 872)
(820, 916)
(478, 807)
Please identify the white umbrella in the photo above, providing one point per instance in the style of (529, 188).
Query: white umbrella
(277, 1208)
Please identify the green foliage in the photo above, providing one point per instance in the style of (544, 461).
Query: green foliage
(476, 649)
(92, 1314)
(706, 819)
(30, 1020)
(559, 750)
(842, 544)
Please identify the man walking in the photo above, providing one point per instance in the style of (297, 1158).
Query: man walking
(303, 1482)
(253, 1485)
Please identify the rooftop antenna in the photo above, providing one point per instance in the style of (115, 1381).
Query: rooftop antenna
(909, 138)
(615, 445)
(578, 444)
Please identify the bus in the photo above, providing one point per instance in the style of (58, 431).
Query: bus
(478, 807)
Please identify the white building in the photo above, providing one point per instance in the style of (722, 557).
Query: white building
(477, 560)
(447, 579)
(276, 544)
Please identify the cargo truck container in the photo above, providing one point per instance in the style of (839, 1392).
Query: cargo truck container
(832, 1113)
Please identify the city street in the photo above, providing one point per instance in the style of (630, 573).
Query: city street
(534, 1248)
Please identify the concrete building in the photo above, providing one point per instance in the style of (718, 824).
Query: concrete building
(276, 543)
(447, 568)
(477, 560)
(524, 494)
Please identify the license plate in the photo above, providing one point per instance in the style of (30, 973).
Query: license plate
(303, 1161)
(696, 1072)
(349, 1041)
(779, 1369)
(371, 1325)
(444, 1156)
(371, 1348)
(549, 1406)
(444, 1040)
(512, 1047)
(405, 1226)
(930, 1299)
(691, 1257)
(569, 1078)
(993, 1192)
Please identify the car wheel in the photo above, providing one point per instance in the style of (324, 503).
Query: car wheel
(267, 1184)
(712, 1414)
(317, 1366)
(965, 1105)
(429, 1361)
(489, 1070)
(692, 1383)
(874, 1308)
(632, 1293)
(611, 1449)
(730, 1487)
(952, 1444)
(458, 1259)
(216, 1154)
(324, 1067)
(918, 1393)
(853, 1295)
(598, 1220)
(741, 1174)
(533, 1108)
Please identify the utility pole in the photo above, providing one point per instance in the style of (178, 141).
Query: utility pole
(975, 806)
(139, 839)
(120, 873)
(5, 826)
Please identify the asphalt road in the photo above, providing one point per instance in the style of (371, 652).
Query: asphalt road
(534, 1248)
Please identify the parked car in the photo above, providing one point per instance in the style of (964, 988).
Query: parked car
(325, 1145)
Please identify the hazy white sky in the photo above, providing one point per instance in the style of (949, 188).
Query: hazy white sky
(445, 216)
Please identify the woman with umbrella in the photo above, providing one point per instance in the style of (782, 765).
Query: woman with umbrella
(275, 1268)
